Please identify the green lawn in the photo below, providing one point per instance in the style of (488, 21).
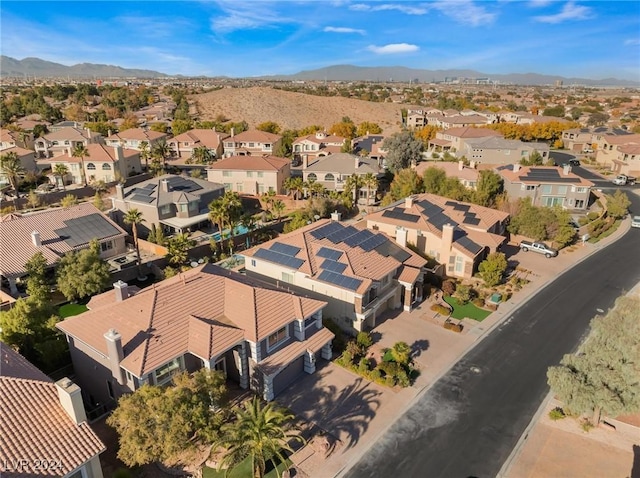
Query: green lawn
(468, 310)
(69, 310)
(243, 470)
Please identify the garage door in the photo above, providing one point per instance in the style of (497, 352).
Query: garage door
(288, 375)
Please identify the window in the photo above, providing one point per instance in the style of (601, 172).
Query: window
(183, 207)
(551, 201)
(562, 190)
(253, 262)
(260, 174)
(164, 373)
(529, 187)
(329, 177)
(266, 146)
(277, 338)
(106, 167)
(239, 187)
(312, 177)
(287, 277)
(459, 263)
(581, 190)
(106, 246)
(309, 321)
(166, 209)
(227, 186)
(91, 166)
(251, 145)
(249, 174)
(546, 189)
(226, 174)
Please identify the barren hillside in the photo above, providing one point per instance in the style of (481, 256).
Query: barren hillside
(294, 110)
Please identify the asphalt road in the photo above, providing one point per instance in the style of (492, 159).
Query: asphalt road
(468, 422)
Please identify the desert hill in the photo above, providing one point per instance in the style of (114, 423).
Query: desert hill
(294, 110)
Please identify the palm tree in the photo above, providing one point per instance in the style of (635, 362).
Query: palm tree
(401, 353)
(60, 170)
(269, 197)
(160, 152)
(178, 248)
(202, 155)
(218, 214)
(80, 151)
(353, 185)
(233, 206)
(145, 154)
(134, 217)
(370, 182)
(295, 186)
(12, 168)
(278, 208)
(260, 432)
(249, 223)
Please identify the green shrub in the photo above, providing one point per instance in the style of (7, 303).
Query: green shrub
(478, 302)
(375, 375)
(440, 309)
(387, 355)
(506, 296)
(363, 366)
(463, 294)
(403, 379)
(346, 359)
(339, 342)
(557, 414)
(364, 339)
(586, 424)
(592, 216)
(390, 381)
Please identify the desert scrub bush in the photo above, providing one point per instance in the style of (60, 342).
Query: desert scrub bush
(478, 302)
(586, 425)
(557, 414)
(364, 339)
(440, 309)
(449, 287)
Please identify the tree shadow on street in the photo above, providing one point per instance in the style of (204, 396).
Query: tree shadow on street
(418, 347)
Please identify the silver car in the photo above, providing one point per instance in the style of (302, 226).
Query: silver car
(635, 222)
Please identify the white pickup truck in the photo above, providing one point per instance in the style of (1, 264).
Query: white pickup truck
(622, 179)
(539, 247)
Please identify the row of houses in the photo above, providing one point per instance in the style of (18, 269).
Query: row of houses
(449, 118)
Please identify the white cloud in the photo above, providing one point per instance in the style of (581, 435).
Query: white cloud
(246, 16)
(464, 11)
(569, 12)
(539, 3)
(632, 42)
(343, 30)
(393, 48)
(404, 8)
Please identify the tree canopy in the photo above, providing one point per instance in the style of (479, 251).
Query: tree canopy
(402, 149)
(492, 269)
(405, 183)
(82, 273)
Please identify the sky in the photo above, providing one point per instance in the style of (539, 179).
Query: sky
(236, 38)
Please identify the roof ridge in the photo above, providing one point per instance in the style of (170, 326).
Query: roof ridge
(254, 291)
(154, 293)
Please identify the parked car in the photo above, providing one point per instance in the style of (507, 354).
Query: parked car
(635, 222)
(539, 247)
(622, 179)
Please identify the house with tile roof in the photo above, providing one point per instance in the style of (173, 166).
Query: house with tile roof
(175, 203)
(101, 163)
(10, 143)
(251, 174)
(61, 140)
(316, 145)
(360, 273)
(467, 175)
(43, 425)
(582, 139)
(55, 232)
(371, 144)
(457, 235)
(257, 335)
(620, 152)
(133, 138)
(500, 151)
(251, 142)
(184, 144)
(333, 171)
(453, 139)
(458, 121)
(546, 186)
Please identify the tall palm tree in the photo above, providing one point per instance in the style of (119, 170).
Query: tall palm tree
(60, 170)
(12, 168)
(202, 155)
(160, 152)
(260, 432)
(353, 185)
(80, 151)
(278, 208)
(133, 217)
(145, 154)
(178, 248)
(370, 182)
(218, 214)
(295, 186)
(233, 206)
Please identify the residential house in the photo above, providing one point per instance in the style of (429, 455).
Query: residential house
(54, 232)
(251, 174)
(100, 163)
(59, 141)
(467, 175)
(176, 203)
(316, 145)
(184, 144)
(133, 138)
(493, 150)
(585, 139)
(359, 273)
(371, 144)
(546, 186)
(453, 139)
(458, 121)
(334, 170)
(416, 119)
(252, 142)
(43, 428)
(523, 117)
(619, 152)
(207, 317)
(9, 143)
(457, 235)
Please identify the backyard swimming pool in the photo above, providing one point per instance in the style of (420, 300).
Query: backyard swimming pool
(237, 231)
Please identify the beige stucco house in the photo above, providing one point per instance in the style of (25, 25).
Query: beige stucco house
(252, 142)
(316, 145)
(183, 144)
(620, 153)
(251, 174)
(498, 151)
(134, 137)
(58, 142)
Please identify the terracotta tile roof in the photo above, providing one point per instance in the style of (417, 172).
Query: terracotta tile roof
(98, 153)
(34, 425)
(408, 275)
(6, 135)
(320, 140)
(17, 247)
(450, 169)
(256, 136)
(365, 265)
(251, 163)
(344, 163)
(468, 132)
(201, 137)
(520, 176)
(203, 311)
(137, 134)
(622, 139)
(276, 362)
(70, 133)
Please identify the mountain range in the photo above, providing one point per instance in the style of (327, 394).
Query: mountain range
(10, 67)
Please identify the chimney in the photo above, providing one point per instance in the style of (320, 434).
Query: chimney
(233, 132)
(357, 162)
(401, 236)
(516, 167)
(164, 185)
(408, 202)
(566, 169)
(460, 165)
(115, 354)
(69, 152)
(70, 397)
(336, 216)
(472, 164)
(305, 161)
(120, 192)
(35, 238)
(108, 133)
(88, 134)
(117, 151)
(446, 242)
(122, 290)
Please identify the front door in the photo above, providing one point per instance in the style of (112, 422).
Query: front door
(221, 366)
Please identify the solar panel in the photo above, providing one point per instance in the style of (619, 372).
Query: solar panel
(285, 249)
(469, 245)
(342, 234)
(461, 207)
(325, 230)
(472, 221)
(373, 242)
(333, 266)
(429, 208)
(340, 280)
(440, 219)
(329, 254)
(282, 259)
(450, 203)
(83, 230)
(150, 186)
(389, 248)
(358, 238)
(141, 198)
(399, 214)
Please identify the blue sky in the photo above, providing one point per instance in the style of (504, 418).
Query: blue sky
(577, 38)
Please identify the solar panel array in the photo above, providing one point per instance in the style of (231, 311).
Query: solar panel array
(341, 234)
(469, 245)
(285, 249)
(545, 175)
(329, 254)
(279, 258)
(372, 243)
(142, 194)
(358, 238)
(333, 266)
(350, 283)
(326, 230)
(400, 215)
(178, 183)
(471, 219)
(389, 248)
(83, 230)
(428, 208)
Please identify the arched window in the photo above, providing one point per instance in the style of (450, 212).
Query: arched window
(106, 167)
(329, 177)
(312, 177)
(91, 166)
